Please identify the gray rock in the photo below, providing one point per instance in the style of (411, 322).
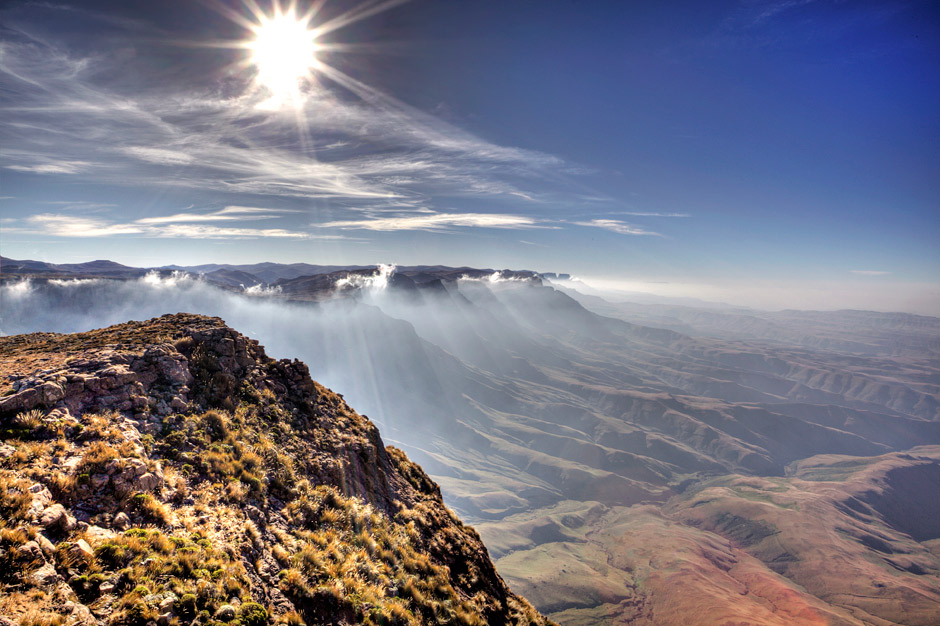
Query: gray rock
(97, 534)
(46, 575)
(47, 547)
(22, 401)
(31, 551)
(55, 517)
(121, 486)
(64, 594)
(149, 482)
(41, 499)
(40, 491)
(226, 613)
(82, 616)
(52, 392)
(99, 480)
(135, 468)
(255, 514)
(279, 602)
(121, 521)
(82, 550)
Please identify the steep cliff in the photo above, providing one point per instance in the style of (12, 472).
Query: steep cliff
(169, 472)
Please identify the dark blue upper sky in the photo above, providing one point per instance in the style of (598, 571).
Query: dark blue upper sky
(787, 149)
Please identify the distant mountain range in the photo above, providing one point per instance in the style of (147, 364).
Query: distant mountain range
(301, 279)
(91, 268)
(624, 462)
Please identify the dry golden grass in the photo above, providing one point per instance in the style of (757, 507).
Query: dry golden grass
(192, 537)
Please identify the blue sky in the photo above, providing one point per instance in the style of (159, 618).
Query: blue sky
(713, 149)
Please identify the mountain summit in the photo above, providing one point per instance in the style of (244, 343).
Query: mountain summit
(169, 472)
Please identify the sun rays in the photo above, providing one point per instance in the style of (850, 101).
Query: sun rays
(284, 53)
(284, 50)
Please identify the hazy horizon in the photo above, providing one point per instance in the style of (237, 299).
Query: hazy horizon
(872, 292)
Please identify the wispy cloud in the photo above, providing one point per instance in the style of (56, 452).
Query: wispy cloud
(653, 214)
(435, 222)
(618, 227)
(51, 167)
(160, 156)
(197, 231)
(372, 164)
(62, 120)
(72, 226)
(870, 272)
(59, 225)
(230, 213)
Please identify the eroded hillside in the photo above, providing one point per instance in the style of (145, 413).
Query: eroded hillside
(169, 472)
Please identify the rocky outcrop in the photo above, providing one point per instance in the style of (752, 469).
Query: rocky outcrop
(169, 472)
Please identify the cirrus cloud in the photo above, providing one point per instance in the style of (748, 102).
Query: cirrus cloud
(62, 225)
(435, 222)
(619, 227)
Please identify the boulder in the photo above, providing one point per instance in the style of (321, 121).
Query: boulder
(168, 603)
(52, 392)
(45, 575)
(81, 549)
(64, 595)
(149, 482)
(97, 534)
(31, 552)
(226, 613)
(47, 547)
(82, 616)
(56, 518)
(99, 480)
(134, 467)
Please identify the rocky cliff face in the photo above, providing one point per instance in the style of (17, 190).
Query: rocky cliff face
(168, 472)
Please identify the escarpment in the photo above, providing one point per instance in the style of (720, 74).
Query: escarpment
(168, 472)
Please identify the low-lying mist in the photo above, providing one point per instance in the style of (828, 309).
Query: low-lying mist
(855, 291)
(514, 395)
(350, 345)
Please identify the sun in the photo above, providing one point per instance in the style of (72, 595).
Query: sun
(287, 49)
(284, 52)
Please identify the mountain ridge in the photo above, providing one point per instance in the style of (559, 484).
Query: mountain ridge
(145, 418)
